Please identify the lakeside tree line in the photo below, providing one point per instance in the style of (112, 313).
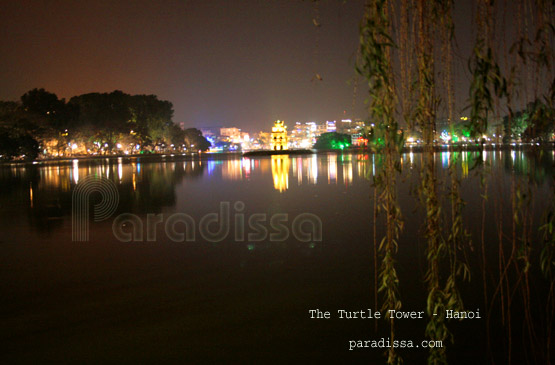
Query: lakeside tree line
(93, 123)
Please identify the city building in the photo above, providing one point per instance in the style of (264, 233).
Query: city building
(345, 126)
(210, 132)
(331, 126)
(230, 134)
(261, 140)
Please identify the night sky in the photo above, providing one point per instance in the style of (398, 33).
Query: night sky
(220, 62)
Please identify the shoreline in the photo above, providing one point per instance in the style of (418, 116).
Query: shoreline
(156, 157)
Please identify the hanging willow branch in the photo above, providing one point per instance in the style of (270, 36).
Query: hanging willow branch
(375, 65)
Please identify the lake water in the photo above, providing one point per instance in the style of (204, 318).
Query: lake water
(238, 291)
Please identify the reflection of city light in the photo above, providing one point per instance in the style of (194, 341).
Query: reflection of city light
(332, 168)
(362, 165)
(75, 171)
(231, 170)
(313, 170)
(348, 173)
(299, 170)
(246, 167)
(211, 166)
(134, 169)
(120, 169)
(280, 172)
(445, 159)
(464, 164)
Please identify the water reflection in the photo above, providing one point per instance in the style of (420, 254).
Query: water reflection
(38, 198)
(332, 169)
(149, 185)
(280, 172)
(347, 169)
(232, 170)
(47, 187)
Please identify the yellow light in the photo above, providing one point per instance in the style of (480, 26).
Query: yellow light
(280, 172)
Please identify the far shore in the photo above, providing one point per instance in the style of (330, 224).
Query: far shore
(156, 157)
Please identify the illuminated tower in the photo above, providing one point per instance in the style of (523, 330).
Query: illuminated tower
(279, 136)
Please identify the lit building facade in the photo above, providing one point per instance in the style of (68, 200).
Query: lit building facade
(279, 136)
(230, 134)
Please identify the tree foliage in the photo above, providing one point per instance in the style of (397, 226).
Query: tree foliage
(194, 140)
(333, 141)
(101, 122)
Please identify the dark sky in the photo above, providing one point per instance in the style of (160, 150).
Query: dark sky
(238, 63)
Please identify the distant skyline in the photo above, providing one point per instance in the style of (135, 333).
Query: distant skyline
(241, 63)
(221, 63)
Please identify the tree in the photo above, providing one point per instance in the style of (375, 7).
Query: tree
(332, 141)
(541, 121)
(107, 115)
(151, 119)
(533, 122)
(17, 144)
(17, 130)
(97, 121)
(194, 140)
(47, 106)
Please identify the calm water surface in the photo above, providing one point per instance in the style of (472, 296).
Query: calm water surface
(237, 300)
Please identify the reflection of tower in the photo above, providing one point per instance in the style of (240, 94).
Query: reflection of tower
(279, 136)
(280, 172)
